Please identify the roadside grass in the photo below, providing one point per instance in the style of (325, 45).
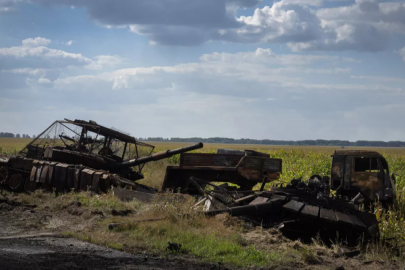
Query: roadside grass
(89, 200)
(208, 239)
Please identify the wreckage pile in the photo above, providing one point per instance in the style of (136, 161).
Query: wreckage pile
(298, 209)
(84, 155)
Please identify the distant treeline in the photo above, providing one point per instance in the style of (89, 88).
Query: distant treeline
(11, 135)
(278, 142)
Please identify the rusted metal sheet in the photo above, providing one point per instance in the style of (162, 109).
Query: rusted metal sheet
(355, 153)
(70, 183)
(207, 160)
(60, 175)
(44, 174)
(327, 214)
(243, 170)
(33, 171)
(77, 175)
(259, 200)
(294, 206)
(86, 179)
(39, 171)
(96, 181)
(310, 211)
(51, 173)
(28, 164)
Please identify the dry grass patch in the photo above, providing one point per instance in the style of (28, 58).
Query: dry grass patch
(210, 239)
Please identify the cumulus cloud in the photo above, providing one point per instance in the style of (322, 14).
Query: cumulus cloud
(36, 65)
(273, 89)
(35, 42)
(102, 61)
(229, 74)
(365, 25)
(283, 22)
(39, 57)
(33, 55)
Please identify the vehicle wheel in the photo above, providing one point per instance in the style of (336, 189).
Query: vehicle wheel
(30, 186)
(16, 182)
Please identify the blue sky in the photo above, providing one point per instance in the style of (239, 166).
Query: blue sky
(292, 70)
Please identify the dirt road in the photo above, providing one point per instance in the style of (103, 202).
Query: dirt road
(58, 252)
(32, 239)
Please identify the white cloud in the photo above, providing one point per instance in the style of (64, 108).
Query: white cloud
(34, 56)
(258, 88)
(29, 71)
(102, 61)
(69, 43)
(263, 72)
(39, 57)
(35, 42)
(44, 81)
(283, 22)
(365, 25)
(379, 78)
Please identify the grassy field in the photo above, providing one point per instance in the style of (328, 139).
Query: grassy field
(213, 238)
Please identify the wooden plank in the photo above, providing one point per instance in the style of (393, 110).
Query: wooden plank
(259, 200)
(294, 206)
(327, 214)
(311, 211)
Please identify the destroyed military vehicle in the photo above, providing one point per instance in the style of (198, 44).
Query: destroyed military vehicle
(299, 209)
(81, 155)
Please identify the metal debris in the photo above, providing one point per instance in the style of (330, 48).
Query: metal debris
(299, 209)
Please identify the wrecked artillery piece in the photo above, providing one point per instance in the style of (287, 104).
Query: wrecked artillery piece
(298, 209)
(81, 155)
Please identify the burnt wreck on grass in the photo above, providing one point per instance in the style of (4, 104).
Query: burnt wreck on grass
(83, 155)
(299, 209)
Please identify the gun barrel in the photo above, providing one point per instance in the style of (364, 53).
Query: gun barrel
(157, 156)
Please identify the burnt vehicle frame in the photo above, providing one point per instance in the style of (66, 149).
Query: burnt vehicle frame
(82, 155)
(243, 168)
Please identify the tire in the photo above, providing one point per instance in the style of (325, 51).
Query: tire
(16, 182)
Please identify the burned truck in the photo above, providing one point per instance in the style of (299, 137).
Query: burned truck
(242, 168)
(81, 155)
(335, 207)
(365, 175)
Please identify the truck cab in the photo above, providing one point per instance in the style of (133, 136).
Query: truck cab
(362, 171)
